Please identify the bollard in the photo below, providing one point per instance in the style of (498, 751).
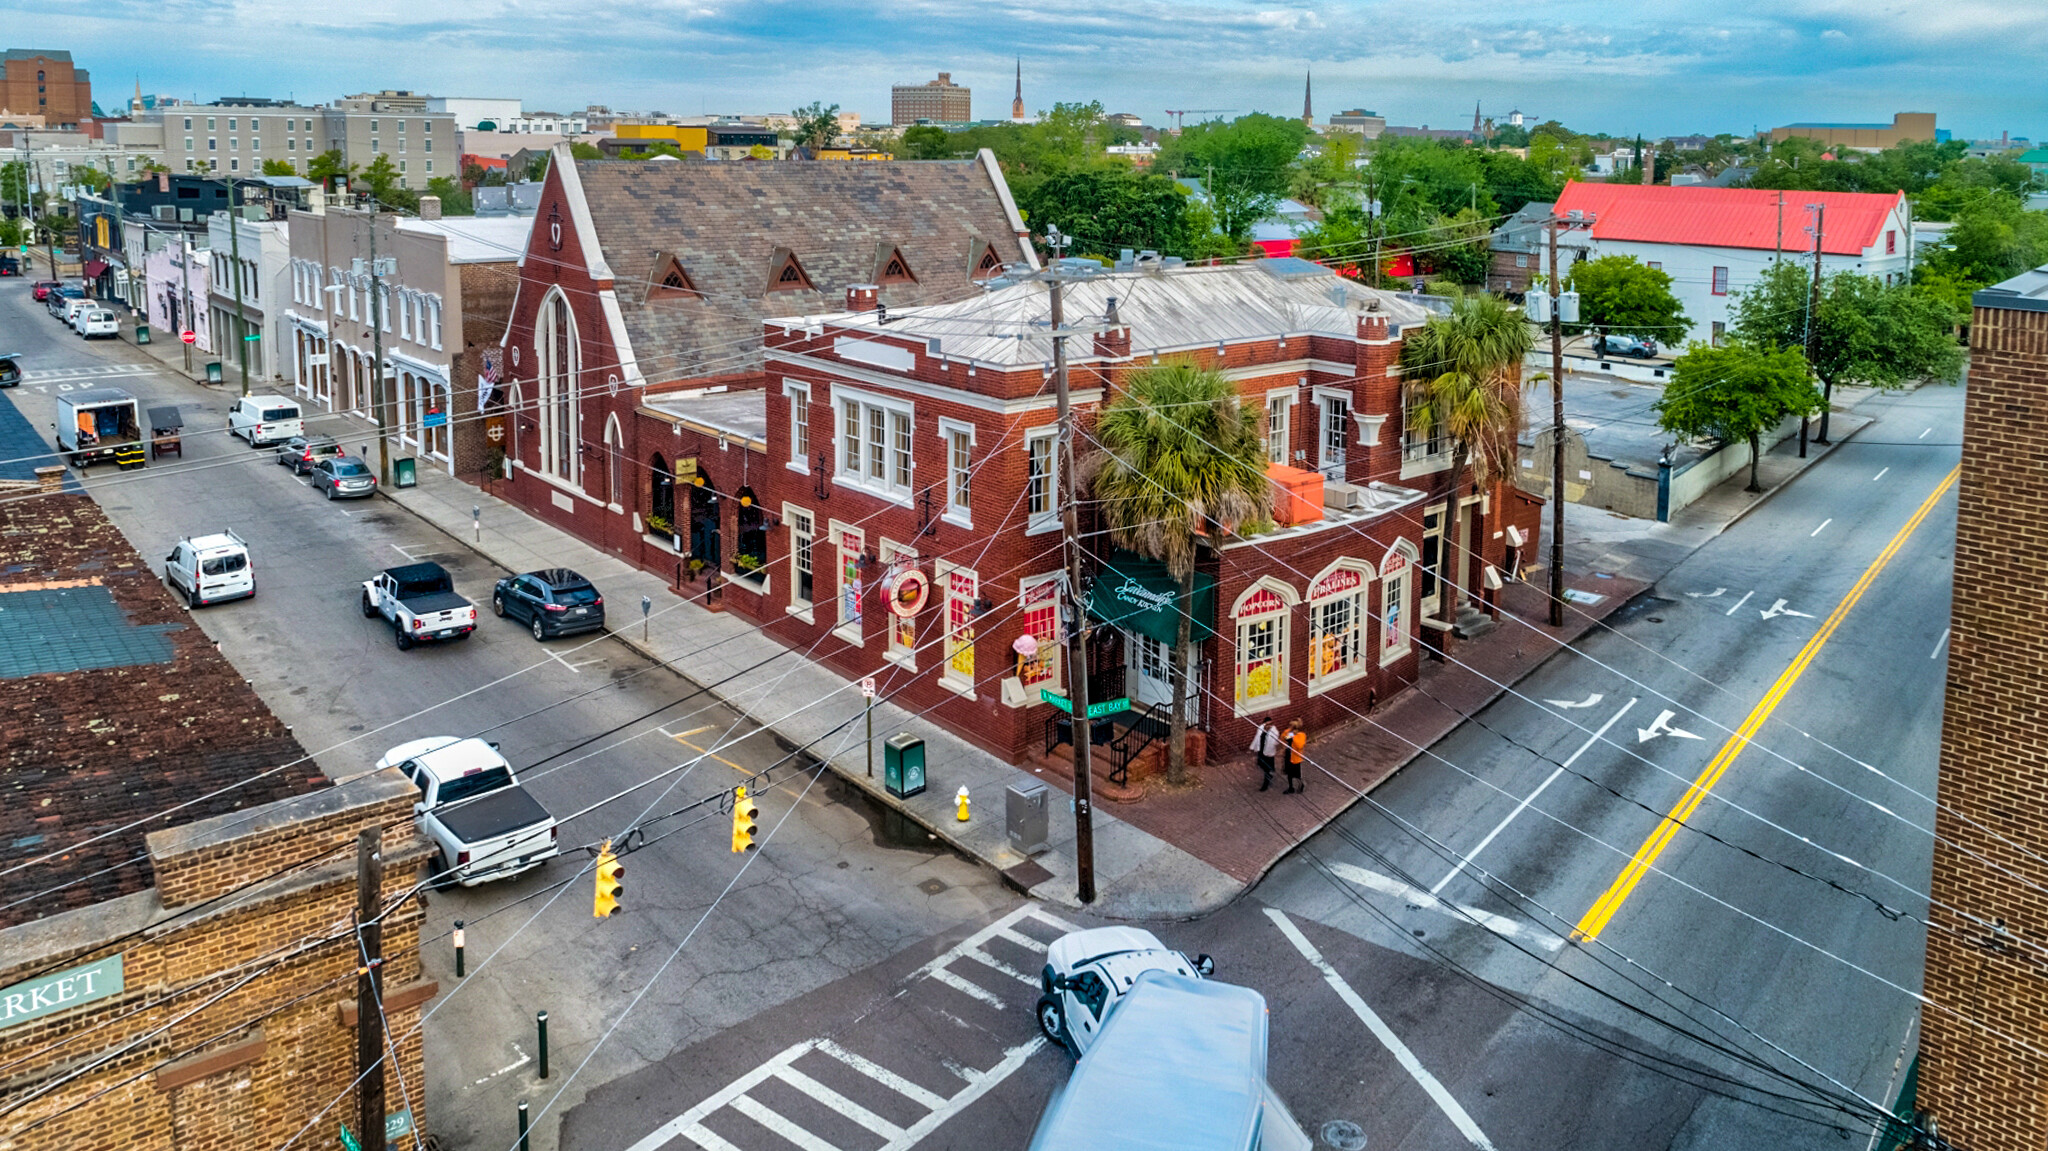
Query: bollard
(540, 1020)
(962, 799)
(458, 949)
(522, 1126)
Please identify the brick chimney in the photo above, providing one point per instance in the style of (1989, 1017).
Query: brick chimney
(1115, 342)
(163, 181)
(861, 297)
(50, 480)
(430, 207)
(1372, 323)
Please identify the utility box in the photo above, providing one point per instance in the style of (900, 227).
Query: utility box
(1025, 817)
(213, 371)
(903, 765)
(142, 333)
(405, 472)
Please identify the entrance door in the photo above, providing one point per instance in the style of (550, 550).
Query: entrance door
(1145, 671)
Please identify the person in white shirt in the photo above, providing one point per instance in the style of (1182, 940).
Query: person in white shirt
(1266, 742)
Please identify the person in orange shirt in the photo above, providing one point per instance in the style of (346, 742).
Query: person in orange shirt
(1292, 741)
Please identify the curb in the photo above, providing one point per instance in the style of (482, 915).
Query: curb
(1828, 450)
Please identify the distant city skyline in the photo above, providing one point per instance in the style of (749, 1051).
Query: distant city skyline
(1660, 67)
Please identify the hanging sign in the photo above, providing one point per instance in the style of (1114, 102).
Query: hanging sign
(905, 590)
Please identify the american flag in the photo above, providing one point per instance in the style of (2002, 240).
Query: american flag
(486, 382)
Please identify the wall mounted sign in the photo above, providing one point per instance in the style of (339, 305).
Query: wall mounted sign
(906, 590)
(60, 990)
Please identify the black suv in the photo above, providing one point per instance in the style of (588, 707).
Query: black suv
(553, 602)
(302, 453)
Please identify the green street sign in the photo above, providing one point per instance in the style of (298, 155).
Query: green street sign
(252, 337)
(349, 1141)
(1056, 699)
(1108, 707)
(397, 1125)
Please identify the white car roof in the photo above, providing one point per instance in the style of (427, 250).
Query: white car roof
(446, 756)
(1075, 948)
(273, 398)
(217, 542)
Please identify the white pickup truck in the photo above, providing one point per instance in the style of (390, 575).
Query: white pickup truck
(485, 825)
(1086, 972)
(421, 602)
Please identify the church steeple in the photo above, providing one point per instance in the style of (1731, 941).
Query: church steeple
(1017, 102)
(1308, 109)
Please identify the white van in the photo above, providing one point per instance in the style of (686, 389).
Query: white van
(266, 419)
(73, 307)
(209, 569)
(93, 323)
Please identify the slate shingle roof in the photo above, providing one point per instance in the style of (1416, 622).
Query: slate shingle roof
(724, 223)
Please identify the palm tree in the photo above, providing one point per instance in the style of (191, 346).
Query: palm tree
(1181, 463)
(1468, 369)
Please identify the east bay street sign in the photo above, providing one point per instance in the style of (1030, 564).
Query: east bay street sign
(60, 990)
(1095, 710)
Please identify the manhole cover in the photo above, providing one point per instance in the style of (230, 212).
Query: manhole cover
(1344, 1135)
(932, 886)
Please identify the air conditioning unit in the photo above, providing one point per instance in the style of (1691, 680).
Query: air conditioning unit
(1515, 537)
(166, 212)
(1343, 496)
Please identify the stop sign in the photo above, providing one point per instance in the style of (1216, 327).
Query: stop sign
(189, 336)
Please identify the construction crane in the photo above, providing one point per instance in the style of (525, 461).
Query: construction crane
(1177, 113)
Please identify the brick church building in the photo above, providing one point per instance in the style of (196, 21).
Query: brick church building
(808, 394)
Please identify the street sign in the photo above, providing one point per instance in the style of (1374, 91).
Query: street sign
(397, 1125)
(1056, 699)
(867, 686)
(252, 337)
(189, 336)
(1108, 707)
(348, 1140)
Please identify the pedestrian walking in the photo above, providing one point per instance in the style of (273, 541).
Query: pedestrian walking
(1266, 742)
(1292, 741)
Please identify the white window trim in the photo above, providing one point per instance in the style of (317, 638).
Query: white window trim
(1322, 396)
(854, 474)
(1038, 523)
(1283, 648)
(1292, 395)
(799, 461)
(853, 632)
(434, 314)
(1405, 578)
(905, 658)
(1369, 428)
(948, 428)
(1362, 594)
(803, 609)
(1025, 587)
(947, 677)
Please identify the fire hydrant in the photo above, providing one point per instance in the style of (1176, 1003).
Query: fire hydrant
(961, 798)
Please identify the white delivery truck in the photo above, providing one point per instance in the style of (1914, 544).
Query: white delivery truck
(97, 425)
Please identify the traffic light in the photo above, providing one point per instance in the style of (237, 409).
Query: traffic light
(609, 888)
(743, 819)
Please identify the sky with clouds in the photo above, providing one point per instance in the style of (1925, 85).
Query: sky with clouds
(1649, 66)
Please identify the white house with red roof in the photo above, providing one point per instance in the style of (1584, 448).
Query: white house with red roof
(1715, 242)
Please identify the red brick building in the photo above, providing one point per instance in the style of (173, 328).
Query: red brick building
(789, 379)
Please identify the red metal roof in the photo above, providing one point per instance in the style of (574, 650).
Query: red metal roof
(1729, 217)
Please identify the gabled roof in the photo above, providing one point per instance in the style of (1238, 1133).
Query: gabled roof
(1729, 217)
(726, 222)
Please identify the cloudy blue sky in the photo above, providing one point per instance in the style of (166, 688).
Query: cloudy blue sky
(1650, 66)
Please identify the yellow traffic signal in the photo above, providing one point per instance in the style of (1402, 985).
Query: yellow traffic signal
(743, 819)
(609, 887)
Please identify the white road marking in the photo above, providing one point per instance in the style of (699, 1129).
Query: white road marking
(1415, 896)
(1589, 701)
(747, 1106)
(1779, 608)
(576, 667)
(839, 1103)
(1706, 594)
(1012, 1060)
(1502, 825)
(1923, 435)
(1662, 726)
(1879, 475)
(1938, 645)
(515, 1065)
(880, 1074)
(1739, 603)
(968, 987)
(1373, 1023)
(1823, 524)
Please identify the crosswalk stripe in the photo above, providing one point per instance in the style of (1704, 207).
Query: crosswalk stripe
(1049, 918)
(993, 963)
(703, 1137)
(749, 1107)
(687, 1124)
(931, 1100)
(1012, 1060)
(966, 988)
(839, 1103)
(1021, 939)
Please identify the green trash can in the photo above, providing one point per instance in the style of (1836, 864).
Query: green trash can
(142, 333)
(405, 472)
(213, 372)
(903, 765)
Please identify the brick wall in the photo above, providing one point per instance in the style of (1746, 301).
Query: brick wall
(1983, 1088)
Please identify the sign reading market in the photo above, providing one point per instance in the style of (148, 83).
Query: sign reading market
(60, 990)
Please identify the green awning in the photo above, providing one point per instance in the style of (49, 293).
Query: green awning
(1139, 595)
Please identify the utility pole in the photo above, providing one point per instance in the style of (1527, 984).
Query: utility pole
(1556, 432)
(235, 251)
(370, 987)
(377, 396)
(1077, 634)
(1780, 253)
(1820, 212)
(185, 278)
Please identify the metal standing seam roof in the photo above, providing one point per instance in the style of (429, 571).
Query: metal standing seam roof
(2026, 292)
(477, 239)
(1170, 310)
(1729, 217)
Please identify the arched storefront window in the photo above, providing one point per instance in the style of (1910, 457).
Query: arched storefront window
(661, 499)
(1261, 617)
(559, 367)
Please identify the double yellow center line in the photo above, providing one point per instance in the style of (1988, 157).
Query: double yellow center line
(1596, 918)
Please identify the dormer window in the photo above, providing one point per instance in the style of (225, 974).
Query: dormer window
(787, 275)
(987, 265)
(892, 268)
(669, 281)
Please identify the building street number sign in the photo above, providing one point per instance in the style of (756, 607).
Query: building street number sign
(59, 991)
(1095, 710)
(397, 1126)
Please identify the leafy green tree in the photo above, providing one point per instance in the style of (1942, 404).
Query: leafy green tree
(1861, 330)
(455, 200)
(1993, 239)
(1109, 208)
(926, 142)
(381, 178)
(581, 151)
(1245, 165)
(279, 168)
(1736, 393)
(12, 231)
(1182, 464)
(816, 126)
(1622, 295)
(329, 168)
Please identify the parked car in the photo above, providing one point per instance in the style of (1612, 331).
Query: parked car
(553, 602)
(266, 419)
(43, 288)
(421, 602)
(301, 453)
(473, 810)
(1087, 972)
(344, 478)
(10, 370)
(60, 297)
(1625, 346)
(96, 323)
(211, 568)
(10, 264)
(73, 305)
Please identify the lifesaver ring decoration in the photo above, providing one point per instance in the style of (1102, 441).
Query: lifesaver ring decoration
(906, 590)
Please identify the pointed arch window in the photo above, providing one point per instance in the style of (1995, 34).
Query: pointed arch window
(892, 268)
(558, 361)
(671, 281)
(986, 263)
(786, 274)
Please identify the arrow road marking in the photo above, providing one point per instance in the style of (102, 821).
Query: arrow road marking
(1706, 594)
(1779, 608)
(1589, 701)
(1662, 726)
(1416, 897)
